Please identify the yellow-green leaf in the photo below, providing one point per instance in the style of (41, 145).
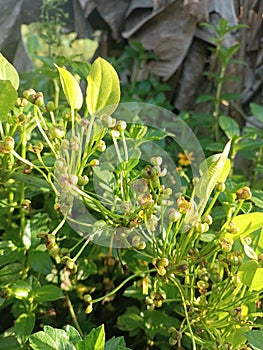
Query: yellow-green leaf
(8, 72)
(251, 275)
(103, 88)
(71, 88)
(216, 172)
(246, 224)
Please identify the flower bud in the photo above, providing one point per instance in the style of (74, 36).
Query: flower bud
(101, 146)
(114, 134)
(220, 187)
(156, 161)
(232, 227)
(208, 219)
(21, 102)
(37, 148)
(121, 125)
(83, 180)
(28, 93)
(26, 204)
(8, 144)
(50, 106)
(108, 121)
(183, 205)
(161, 271)
(244, 193)
(57, 131)
(38, 99)
(94, 162)
(174, 215)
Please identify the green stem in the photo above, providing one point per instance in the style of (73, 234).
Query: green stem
(81, 250)
(43, 132)
(73, 315)
(122, 284)
(211, 205)
(185, 310)
(15, 154)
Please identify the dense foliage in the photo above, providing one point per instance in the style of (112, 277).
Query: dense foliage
(126, 215)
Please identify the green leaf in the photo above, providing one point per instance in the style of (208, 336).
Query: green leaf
(8, 72)
(95, 340)
(251, 275)
(8, 341)
(31, 181)
(24, 326)
(71, 88)
(20, 289)
(8, 98)
(116, 344)
(257, 198)
(10, 272)
(217, 171)
(42, 341)
(73, 334)
(51, 339)
(229, 126)
(48, 293)
(257, 111)
(246, 223)
(86, 268)
(40, 262)
(205, 98)
(255, 338)
(103, 88)
(131, 320)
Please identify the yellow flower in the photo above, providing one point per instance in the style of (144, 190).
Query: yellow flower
(185, 158)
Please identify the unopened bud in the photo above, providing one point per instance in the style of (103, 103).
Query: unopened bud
(244, 193)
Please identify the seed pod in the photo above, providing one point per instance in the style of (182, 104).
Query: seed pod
(89, 309)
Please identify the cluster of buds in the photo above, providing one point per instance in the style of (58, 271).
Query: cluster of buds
(201, 227)
(155, 299)
(138, 243)
(161, 264)
(34, 97)
(202, 286)
(174, 335)
(226, 244)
